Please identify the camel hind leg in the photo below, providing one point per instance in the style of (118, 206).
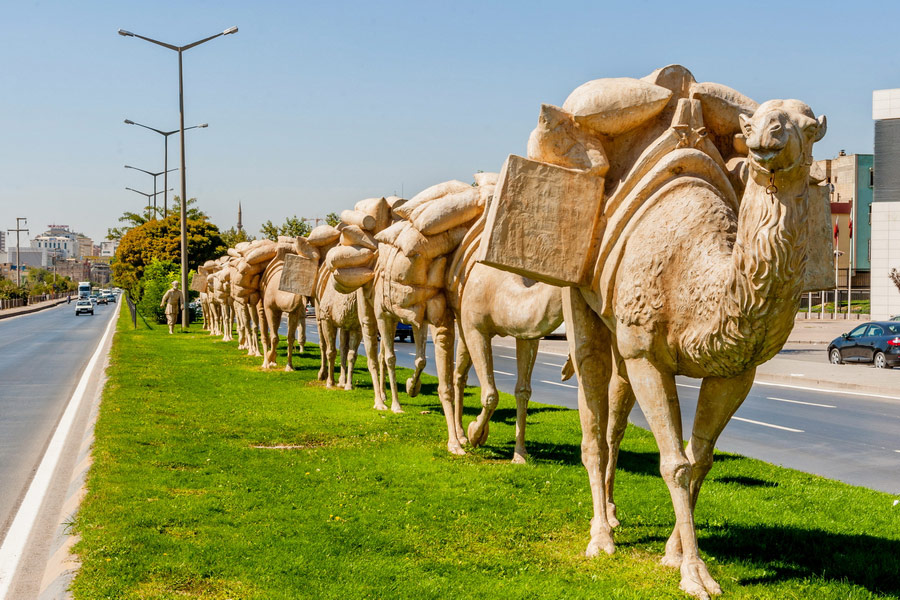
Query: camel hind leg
(621, 401)
(369, 328)
(443, 336)
(414, 383)
(460, 378)
(348, 356)
(482, 358)
(526, 355)
(293, 319)
(328, 339)
(273, 319)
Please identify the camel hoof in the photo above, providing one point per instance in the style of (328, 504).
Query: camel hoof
(329, 385)
(397, 409)
(455, 449)
(611, 515)
(477, 436)
(413, 386)
(348, 387)
(288, 369)
(672, 560)
(600, 543)
(696, 580)
(519, 459)
(380, 406)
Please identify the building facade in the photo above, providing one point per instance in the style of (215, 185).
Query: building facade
(886, 203)
(58, 241)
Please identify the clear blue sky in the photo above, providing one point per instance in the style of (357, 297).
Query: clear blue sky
(313, 106)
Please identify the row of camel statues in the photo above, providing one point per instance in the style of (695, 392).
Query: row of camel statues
(672, 224)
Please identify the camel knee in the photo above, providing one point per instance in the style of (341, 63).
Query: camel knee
(700, 454)
(489, 399)
(676, 471)
(523, 394)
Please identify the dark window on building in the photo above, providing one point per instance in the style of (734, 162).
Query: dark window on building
(871, 177)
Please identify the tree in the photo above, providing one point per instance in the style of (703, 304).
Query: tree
(895, 277)
(333, 219)
(158, 276)
(232, 237)
(161, 240)
(131, 220)
(292, 227)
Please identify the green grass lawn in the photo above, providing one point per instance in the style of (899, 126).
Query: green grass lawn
(188, 498)
(857, 306)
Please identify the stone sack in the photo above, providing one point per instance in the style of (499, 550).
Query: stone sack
(352, 278)
(342, 257)
(721, 106)
(359, 218)
(411, 242)
(614, 105)
(451, 211)
(323, 235)
(352, 235)
(378, 208)
(429, 194)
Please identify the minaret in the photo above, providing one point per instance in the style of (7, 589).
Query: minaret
(239, 226)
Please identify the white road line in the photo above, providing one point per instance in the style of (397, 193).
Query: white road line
(687, 385)
(799, 402)
(504, 373)
(551, 365)
(504, 356)
(826, 391)
(897, 451)
(411, 353)
(19, 531)
(566, 385)
(768, 425)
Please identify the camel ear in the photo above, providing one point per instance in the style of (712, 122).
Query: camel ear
(822, 128)
(745, 122)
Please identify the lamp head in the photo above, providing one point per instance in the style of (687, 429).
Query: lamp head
(125, 33)
(129, 122)
(203, 125)
(226, 32)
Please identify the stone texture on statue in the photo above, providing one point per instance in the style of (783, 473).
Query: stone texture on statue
(173, 300)
(693, 263)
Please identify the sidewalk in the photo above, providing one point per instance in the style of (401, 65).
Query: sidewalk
(24, 310)
(797, 365)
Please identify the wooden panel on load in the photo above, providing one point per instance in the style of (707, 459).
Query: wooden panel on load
(820, 258)
(543, 222)
(198, 283)
(298, 275)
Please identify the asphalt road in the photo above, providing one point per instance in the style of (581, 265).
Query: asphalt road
(42, 356)
(844, 435)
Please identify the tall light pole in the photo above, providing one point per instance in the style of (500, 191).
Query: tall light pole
(155, 175)
(18, 229)
(166, 135)
(153, 195)
(184, 247)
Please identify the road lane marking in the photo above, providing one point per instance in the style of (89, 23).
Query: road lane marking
(551, 365)
(827, 391)
(18, 533)
(799, 402)
(504, 373)
(687, 385)
(411, 353)
(791, 429)
(565, 385)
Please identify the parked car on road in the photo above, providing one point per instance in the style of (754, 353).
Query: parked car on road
(404, 332)
(310, 311)
(876, 342)
(102, 300)
(84, 306)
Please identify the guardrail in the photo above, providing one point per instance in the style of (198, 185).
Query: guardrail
(132, 309)
(17, 302)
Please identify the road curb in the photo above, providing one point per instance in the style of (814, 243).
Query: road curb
(824, 384)
(27, 310)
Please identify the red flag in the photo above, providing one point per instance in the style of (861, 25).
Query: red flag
(836, 230)
(851, 228)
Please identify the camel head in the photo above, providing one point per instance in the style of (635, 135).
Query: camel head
(780, 135)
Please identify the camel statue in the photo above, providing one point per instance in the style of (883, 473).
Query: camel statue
(337, 312)
(489, 302)
(695, 267)
(220, 298)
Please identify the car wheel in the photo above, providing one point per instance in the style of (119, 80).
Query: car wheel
(880, 360)
(836, 357)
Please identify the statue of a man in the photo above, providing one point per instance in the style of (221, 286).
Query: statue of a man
(172, 300)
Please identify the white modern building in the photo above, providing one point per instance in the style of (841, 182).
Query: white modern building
(58, 241)
(109, 247)
(2, 241)
(885, 216)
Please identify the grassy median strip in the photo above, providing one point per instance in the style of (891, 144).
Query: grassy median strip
(215, 479)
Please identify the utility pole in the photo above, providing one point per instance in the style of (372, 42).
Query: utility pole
(18, 229)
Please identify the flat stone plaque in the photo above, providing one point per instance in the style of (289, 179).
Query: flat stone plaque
(198, 283)
(299, 275)
(542, 222)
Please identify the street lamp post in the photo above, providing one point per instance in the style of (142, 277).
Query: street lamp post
(184, 249)
(166, 135)
(155, 175)
(18, 230)
(153, 195)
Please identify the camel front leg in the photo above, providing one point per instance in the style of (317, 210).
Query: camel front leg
(387, 327)
(414, 383)
(443, 336)
(253, 311)
(479, 345)
(718, 401)
(460, 378)
(368, 325)
(263, 333)
(293, 320)
(656, 393)
(301, 320)
(227, 321)
(589, 348)
(526, 355)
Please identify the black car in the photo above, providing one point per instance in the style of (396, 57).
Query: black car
(875, 342)
(404, 332)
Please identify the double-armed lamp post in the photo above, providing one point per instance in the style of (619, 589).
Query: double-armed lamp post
(184, 247)
(148, 196)
(165, 190)
(165, 135)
